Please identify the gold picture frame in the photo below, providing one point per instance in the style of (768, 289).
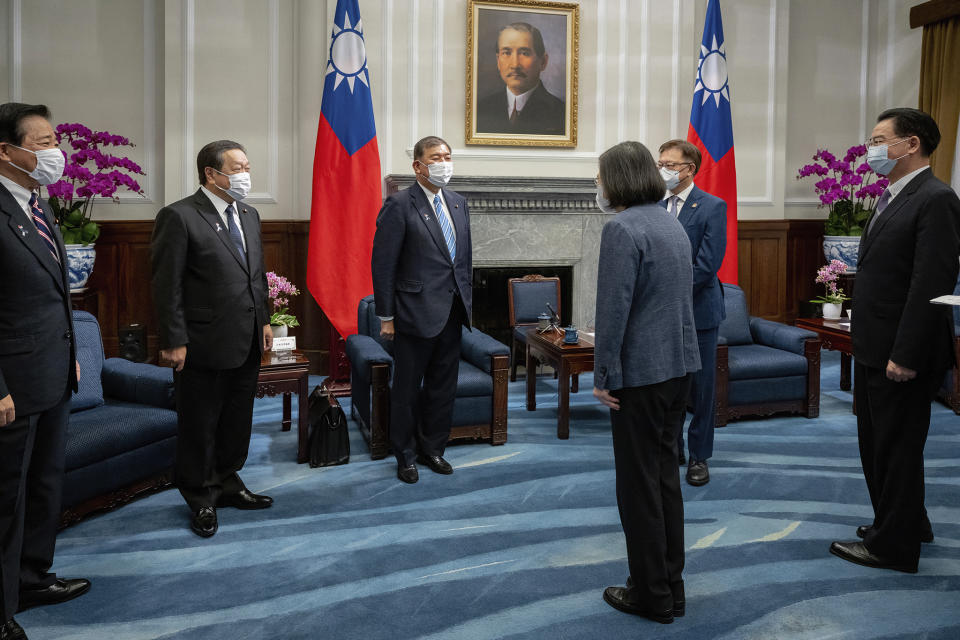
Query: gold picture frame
(504, 61)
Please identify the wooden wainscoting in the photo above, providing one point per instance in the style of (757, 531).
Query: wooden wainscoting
(121, 278)
(777, 262)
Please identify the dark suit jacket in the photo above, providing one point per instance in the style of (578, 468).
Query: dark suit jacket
(908, 257)
(37, 350)
(543, 114)
(414, 278)
(207, 297)
(704, 218)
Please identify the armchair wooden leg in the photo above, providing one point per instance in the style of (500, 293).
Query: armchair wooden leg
(722, 385)
(811, 351)
(513, 358)
(498, 427)
(575, 383)
(379, 411)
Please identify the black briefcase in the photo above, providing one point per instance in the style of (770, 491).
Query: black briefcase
(329, 439)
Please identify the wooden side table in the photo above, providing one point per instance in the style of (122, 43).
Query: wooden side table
(288, 374)
(568, 359)
(835, 336)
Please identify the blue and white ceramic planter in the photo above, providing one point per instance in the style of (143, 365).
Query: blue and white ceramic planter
(842, 248)
(80, 259)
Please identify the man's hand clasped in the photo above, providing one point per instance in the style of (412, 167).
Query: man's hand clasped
(386, 329)
(176, 356)
(603, 395)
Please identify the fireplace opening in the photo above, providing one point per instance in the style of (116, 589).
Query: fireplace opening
(491, 313)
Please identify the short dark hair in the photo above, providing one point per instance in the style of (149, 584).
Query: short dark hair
(212, 156)
(913, 122)
(12, 115)
(689, 151)
(427, 143)
(527, 28)
(630, 176)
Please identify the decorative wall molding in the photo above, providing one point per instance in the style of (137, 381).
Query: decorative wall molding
(187, 96)
(15, 50)
(386, 125)
(413, 68)
(599, 74)
(438, 47)
(674, 72)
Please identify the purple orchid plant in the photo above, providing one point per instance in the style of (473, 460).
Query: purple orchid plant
(848, 189)
(89, 173)
(828, 275)
(279, 290)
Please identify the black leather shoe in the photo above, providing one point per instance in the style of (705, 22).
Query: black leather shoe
(245, 500)
(12, 631)
(619, 599)
(436, 463)
(60, 591)
(857, 553)
(925, 536)
(204, 522)
(682, 459)
(679, 600)
(697, 473)
(408, 474)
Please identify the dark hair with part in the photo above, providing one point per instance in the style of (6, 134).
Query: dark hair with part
(427, 143)
(913, 122)
(526, 27)
(12, 115)
(689, 151)
(212, 156)
(629, 175)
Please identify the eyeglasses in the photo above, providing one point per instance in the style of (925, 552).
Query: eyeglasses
(672, 166)
(872, 142)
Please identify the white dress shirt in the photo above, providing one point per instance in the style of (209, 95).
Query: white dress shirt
(20, 193)
(519, 101)
(443, 205)
(221, 206)
(681, 198)
(898, 186)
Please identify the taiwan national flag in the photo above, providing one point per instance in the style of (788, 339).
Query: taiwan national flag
(346, 178)
(711, 130)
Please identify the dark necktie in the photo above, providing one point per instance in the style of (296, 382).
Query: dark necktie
(881, 205)
(41, 223)
(513, 114)
(235, 231)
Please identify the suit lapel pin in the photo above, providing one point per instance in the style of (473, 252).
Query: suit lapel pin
(456, 206)
(23, 232)
(219, 228)
(693, 205)
(244, 210)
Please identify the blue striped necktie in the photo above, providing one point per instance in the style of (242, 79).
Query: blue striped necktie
(445, 227)
(235, 231)
(41, 223)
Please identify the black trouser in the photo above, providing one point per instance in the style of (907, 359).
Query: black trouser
(31, 480)
(645, 432)
(422, 418)
(703, 392)
(892, 423)
(214, 420)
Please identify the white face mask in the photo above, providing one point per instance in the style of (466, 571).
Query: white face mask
(878, 160)
(603, 203)
(50, 163)
(439, 173)
(239, 184)
(670, 178)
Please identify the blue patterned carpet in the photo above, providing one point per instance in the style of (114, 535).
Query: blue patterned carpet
(518, 543)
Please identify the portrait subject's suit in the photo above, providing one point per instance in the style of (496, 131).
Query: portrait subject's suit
(37, 369)
(704, 218)
(213, 300)
(429, 296)
(543, 114)
(908, 255)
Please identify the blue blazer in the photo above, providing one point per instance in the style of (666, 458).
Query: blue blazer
(414, 279)
(704, 218)
(644, 321)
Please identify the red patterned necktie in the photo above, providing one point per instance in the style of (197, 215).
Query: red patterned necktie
(41, 223)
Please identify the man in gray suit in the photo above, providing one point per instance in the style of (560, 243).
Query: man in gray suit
(422, 281)
(210, 289)
(37, 367)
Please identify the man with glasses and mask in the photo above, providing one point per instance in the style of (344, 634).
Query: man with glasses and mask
(422, 268)
(901, 342)
(210, 290)
(38, 367)
(704, 218)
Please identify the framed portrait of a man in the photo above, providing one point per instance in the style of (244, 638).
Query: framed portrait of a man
(522, 73)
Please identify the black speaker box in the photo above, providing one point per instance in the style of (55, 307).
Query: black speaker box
(133, 342)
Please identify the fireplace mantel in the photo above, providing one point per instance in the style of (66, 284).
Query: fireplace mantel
(502, 194)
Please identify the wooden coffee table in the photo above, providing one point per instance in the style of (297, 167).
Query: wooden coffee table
(287, 373)
(567, 359)
(834, 335)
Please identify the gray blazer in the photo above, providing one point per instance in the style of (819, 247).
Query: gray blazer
(645, 327)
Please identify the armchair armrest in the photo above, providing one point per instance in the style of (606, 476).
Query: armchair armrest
(478, 349)
(779, 335)
(138, 382)
(721, 340)
(365, 351)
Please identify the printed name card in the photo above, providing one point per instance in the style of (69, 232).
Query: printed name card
(285, 344)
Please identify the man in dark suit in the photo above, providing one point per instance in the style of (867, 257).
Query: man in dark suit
(704, 218)
(422, 282)
(38, 367)
(210, 290)
(525, 106)
(901, 342)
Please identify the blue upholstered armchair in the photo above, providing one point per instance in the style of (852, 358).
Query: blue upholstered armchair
(480, 409)
(122, 433)
(764, 367)
(950, 390)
